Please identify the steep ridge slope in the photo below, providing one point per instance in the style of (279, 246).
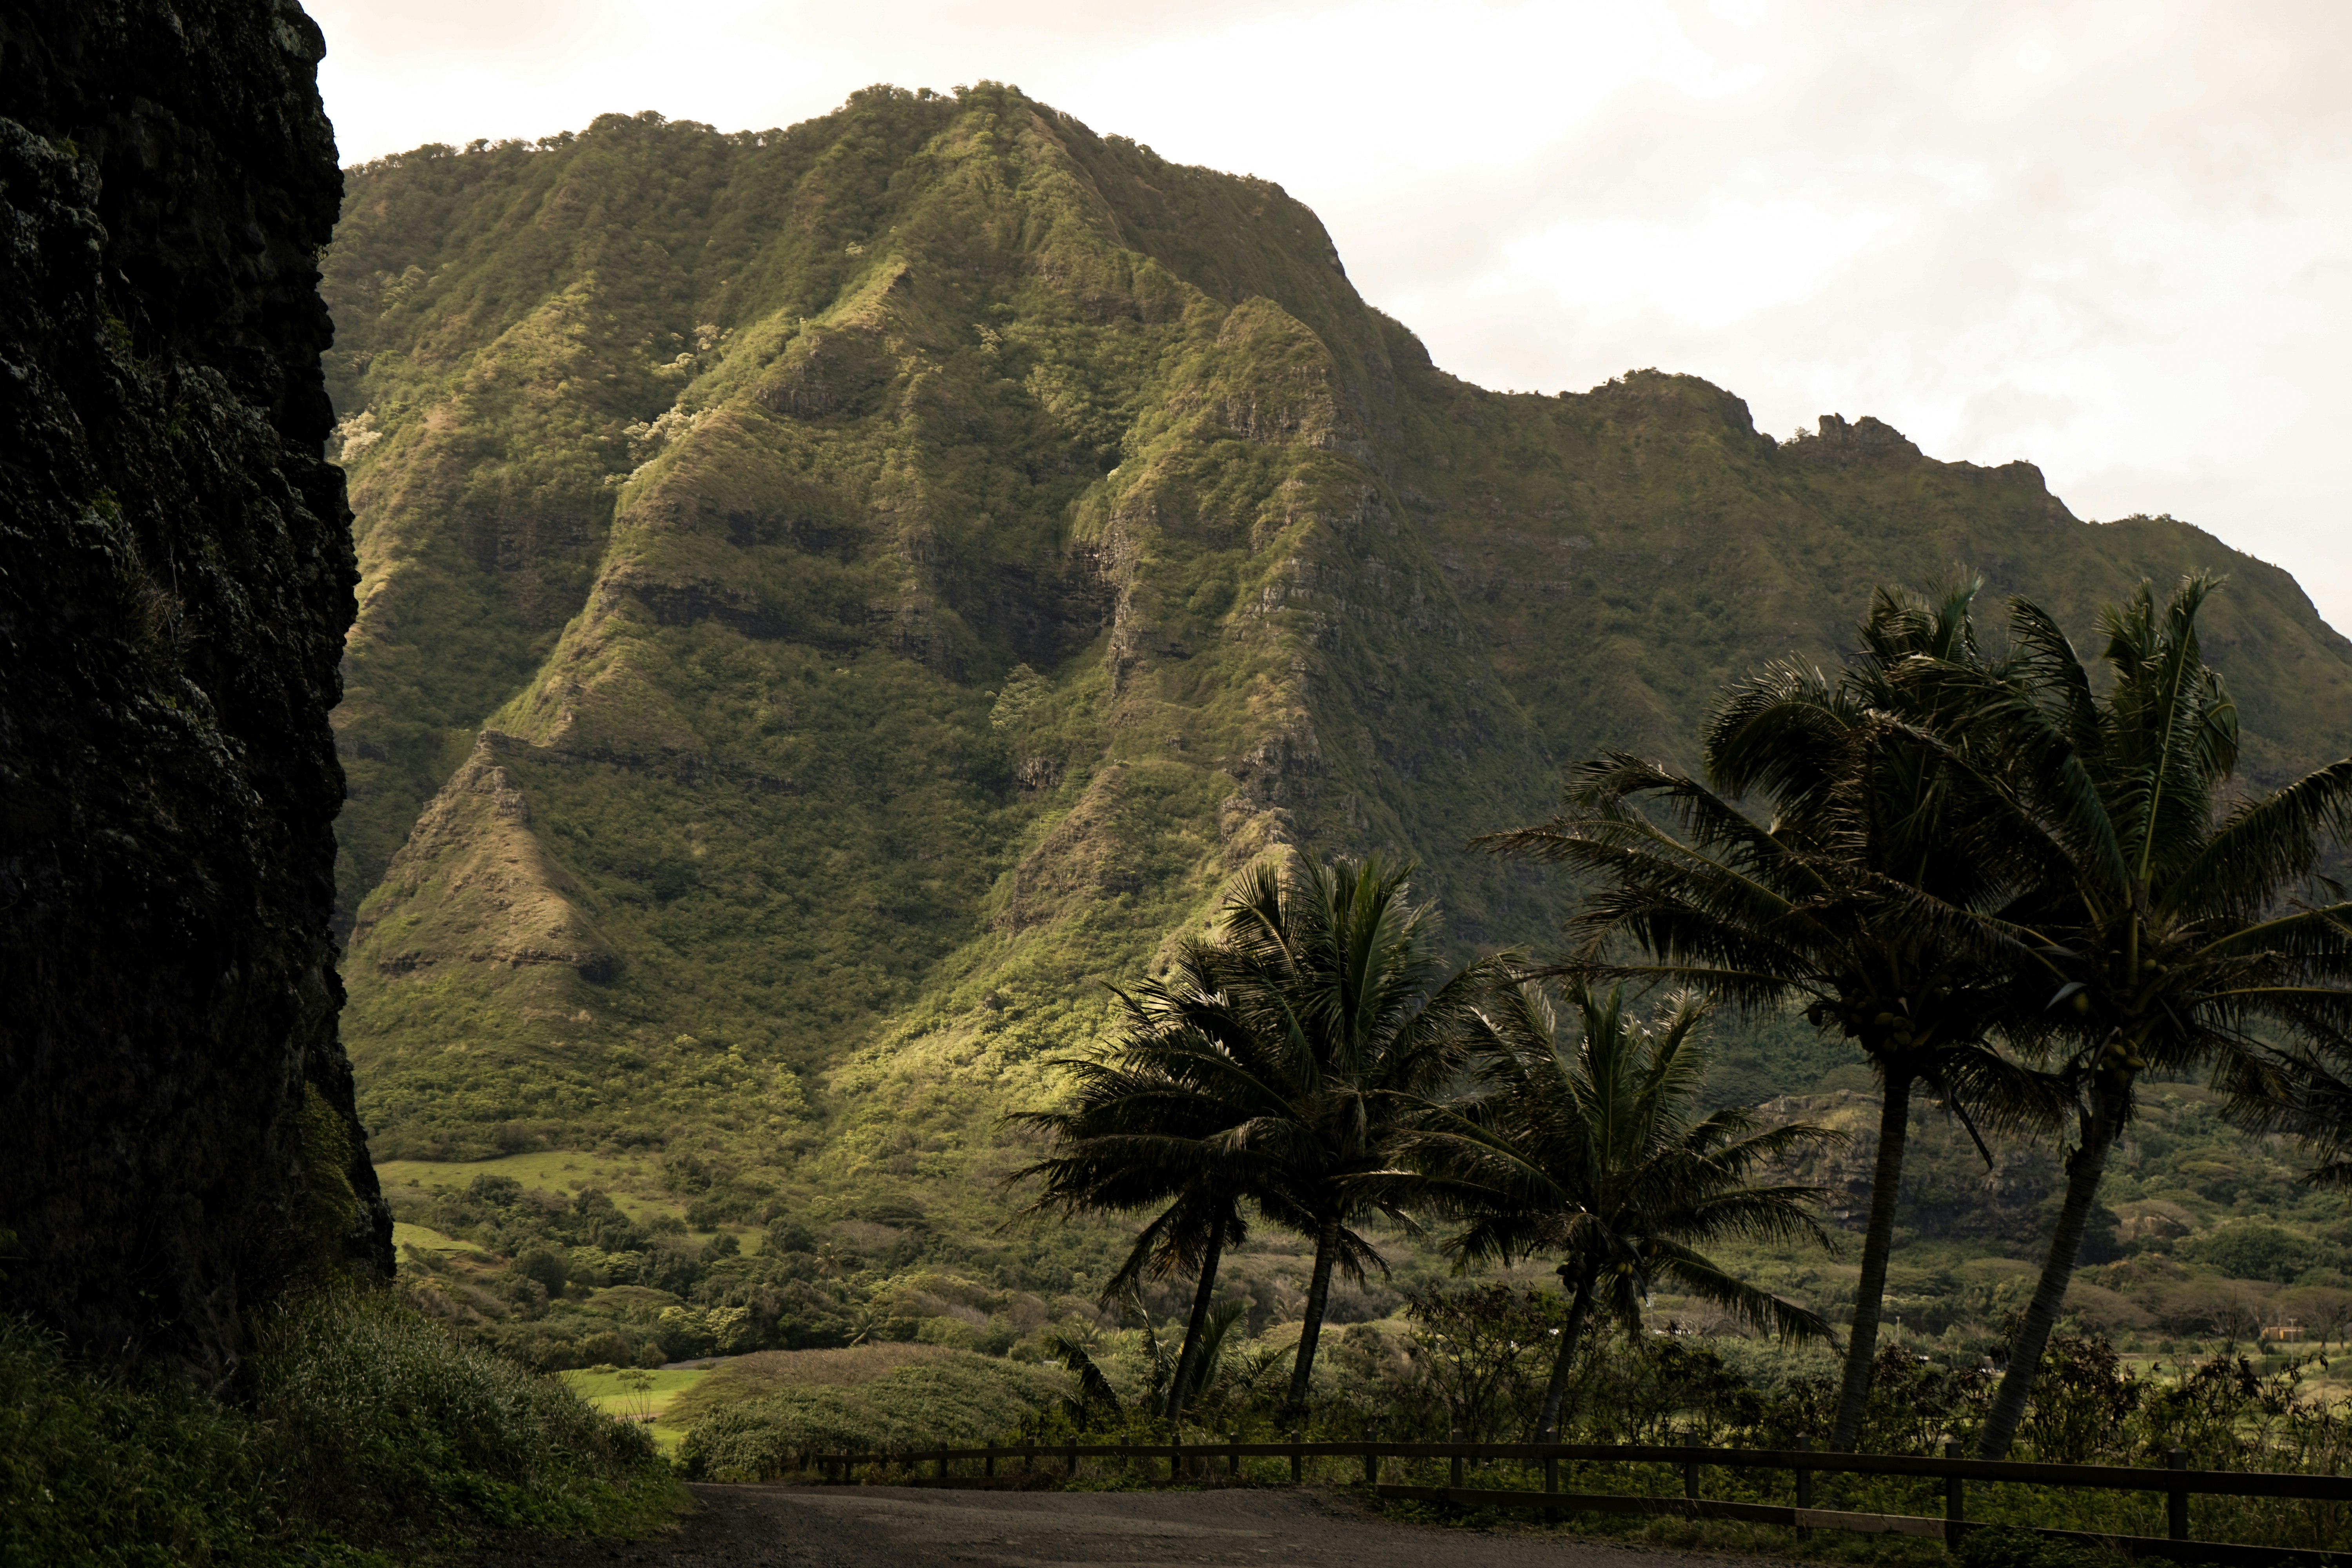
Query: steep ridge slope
(830, 597)
(175, 579)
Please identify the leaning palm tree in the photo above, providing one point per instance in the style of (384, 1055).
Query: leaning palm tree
(1836, 905)
(1339, 1021)
(1136, 1134)
(1593, 1156)
(2160, 917)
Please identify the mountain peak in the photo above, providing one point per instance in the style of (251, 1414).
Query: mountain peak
(720, 486)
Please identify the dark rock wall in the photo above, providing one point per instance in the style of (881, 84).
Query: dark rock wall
(177, 1132)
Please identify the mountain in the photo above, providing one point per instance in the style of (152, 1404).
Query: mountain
(831, 599)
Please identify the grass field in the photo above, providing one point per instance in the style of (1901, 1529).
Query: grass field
(607, 1392)
(424, 1238)
(765, 1373)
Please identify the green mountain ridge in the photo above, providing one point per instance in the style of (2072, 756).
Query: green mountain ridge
(833, 598)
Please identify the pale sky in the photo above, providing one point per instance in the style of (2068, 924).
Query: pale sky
(2113, 240)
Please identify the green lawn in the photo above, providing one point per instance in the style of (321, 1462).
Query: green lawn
(605, 1391)
(424, 1238)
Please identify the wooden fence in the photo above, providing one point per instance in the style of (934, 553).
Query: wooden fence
(1034, 1463)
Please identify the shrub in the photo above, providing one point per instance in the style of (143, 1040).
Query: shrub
(354, 1422)
(380, 1417)
(1487, 1353)
(2250, 1251)
(2003, 1547)
(544, 1265)
(101, 1470)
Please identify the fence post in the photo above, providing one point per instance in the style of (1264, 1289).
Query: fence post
(941, 1472)
(1454, 1435)
(1956, 1501)
(1029, 1456)
(1175, 1453)
(1298, 1457)
(1551, 1472)
(988, 1467)
(1690, 1467)
(1372, 1455)
(1072, 1456)
(1804, 1484)
(1233, 1454)
(2176, 1499)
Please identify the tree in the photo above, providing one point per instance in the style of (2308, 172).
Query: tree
(1837, 904)
(1592, 1155)
(1269, 1063)
(1137, 1133)
(2155, 919)
(1340, 1022)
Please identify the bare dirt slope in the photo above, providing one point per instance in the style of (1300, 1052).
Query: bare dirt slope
(877, 1527)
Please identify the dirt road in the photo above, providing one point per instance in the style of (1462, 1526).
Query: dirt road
(900, 1527)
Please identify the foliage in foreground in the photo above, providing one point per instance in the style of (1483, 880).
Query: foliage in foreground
(354, 1426)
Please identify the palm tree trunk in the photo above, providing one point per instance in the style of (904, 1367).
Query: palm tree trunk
(1318, 1297)
(2085, 1168)
(1180, 1387)
(1580, 1304)
(1869, 1292)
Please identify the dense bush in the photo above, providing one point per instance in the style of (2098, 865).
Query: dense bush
(2004, 1546)
(587, 1284)
(2249, 1250)
(354, 1425)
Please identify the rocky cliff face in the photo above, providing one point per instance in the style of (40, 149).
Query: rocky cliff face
(175, 583)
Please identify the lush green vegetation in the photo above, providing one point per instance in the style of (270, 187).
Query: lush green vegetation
(958, 1397)
(908, 560)
(839, 598)
(1475, 1361)
(1968, 863)
(1951, 837)
(356, 1431)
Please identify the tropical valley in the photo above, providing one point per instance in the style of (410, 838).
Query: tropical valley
(835, 601)
(979, 805)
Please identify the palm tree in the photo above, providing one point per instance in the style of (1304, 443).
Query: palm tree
(1339, 1023)
(1181, 1380)
(1837, 905)
(1138, 1134)
(2304, 1089)
(2155, 917)
(1593, 1156)
(1268, 1065)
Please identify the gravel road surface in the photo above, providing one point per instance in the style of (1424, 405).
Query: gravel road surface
(901, 1527)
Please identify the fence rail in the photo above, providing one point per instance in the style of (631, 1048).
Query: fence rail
(2179, 1483)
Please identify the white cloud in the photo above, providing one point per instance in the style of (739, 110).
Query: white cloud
(2112, 239)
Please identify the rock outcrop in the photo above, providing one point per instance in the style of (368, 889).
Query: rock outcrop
(175, 583)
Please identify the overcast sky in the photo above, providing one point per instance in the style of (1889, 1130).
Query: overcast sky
(2114, 240)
